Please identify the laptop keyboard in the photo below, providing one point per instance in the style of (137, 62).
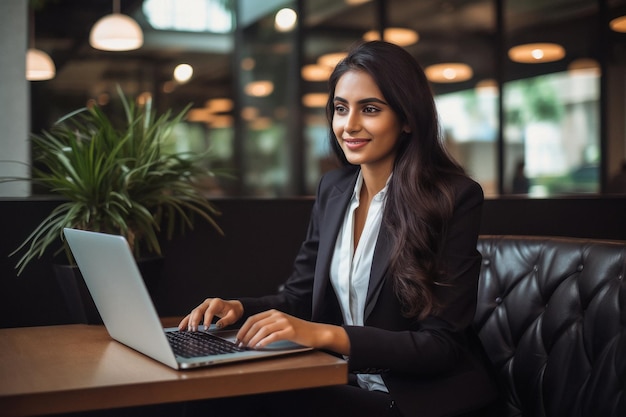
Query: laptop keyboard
(194, 344)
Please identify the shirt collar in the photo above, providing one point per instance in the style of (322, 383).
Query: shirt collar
(359, 183)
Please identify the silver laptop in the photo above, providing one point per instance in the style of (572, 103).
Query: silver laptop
(118, 290)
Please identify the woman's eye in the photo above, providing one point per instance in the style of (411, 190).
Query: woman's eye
(339, 109)
(370, 109)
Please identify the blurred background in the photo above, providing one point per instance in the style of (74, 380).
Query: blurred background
(531, 93)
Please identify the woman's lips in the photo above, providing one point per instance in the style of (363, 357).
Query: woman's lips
(354, 144)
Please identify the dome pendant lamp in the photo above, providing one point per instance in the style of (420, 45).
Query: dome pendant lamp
(116, 32)
(618, 24)
(39, 65)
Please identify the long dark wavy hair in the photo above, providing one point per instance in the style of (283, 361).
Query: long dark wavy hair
(420, 199)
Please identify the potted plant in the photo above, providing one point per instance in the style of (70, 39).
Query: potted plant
(116, 179)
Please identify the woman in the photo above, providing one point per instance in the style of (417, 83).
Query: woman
(387, 275)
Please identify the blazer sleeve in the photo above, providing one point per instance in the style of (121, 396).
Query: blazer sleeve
(389, 342)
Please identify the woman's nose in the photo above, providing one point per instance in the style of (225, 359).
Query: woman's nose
(353, 123)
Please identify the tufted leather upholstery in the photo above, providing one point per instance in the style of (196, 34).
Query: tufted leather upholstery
(552, 317)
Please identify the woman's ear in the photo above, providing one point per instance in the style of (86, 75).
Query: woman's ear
(406, 129)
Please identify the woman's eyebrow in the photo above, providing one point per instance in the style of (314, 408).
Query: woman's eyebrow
(363, 100)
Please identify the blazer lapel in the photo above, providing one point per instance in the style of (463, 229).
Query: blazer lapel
(331, 214)
(380, 265)
(331, 217)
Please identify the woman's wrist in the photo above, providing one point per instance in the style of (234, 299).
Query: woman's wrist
(334, 338)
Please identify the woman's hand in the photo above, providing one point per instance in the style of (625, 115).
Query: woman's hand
(272, 325)
(228, 311)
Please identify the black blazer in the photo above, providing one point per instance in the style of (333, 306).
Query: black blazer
(432, 367)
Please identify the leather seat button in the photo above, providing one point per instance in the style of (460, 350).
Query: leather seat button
(486, 262)
(498, 300)
(580, 268)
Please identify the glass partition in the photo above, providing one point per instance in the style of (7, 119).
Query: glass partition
(266, 58)
(552, 133)
(258, 82)
(551, 98)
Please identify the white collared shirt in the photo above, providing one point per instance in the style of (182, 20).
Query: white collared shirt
(350, 274)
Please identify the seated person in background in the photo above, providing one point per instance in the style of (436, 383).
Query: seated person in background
(617, 184)
(521, 184)
(387, 275)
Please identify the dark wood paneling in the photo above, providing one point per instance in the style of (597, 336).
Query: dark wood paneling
(262, 237)
(593, 217)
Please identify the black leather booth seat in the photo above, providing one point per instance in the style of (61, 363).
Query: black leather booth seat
(552, 317)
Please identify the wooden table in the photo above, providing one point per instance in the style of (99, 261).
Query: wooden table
(57, 369)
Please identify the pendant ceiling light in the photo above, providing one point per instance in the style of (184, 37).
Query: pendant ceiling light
(534, 53)
(399, 36)
(316, 72)
(261, 88)
(618, 24)
(449, 72)
(39, 65)
(488, 86)
(331, 59)
(116, 32)
(584, 66)
(315, 100)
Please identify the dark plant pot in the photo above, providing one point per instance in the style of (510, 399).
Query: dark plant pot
(80, 305)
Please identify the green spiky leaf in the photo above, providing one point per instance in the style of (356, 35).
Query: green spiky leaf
(116, 180)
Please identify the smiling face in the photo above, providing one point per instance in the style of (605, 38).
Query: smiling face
(366, 127)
